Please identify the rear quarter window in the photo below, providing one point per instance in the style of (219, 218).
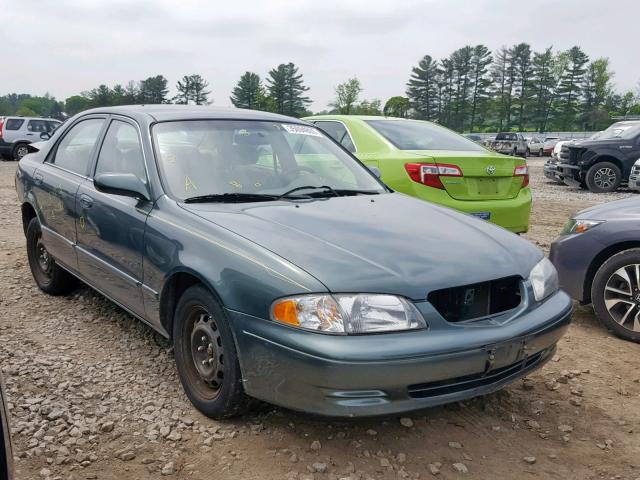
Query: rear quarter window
(13, 124)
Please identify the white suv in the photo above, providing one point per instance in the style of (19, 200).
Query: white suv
(17, 132)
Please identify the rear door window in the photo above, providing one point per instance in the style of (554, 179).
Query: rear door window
(14, 124)
(338, 132)
(37, 126)
(75, 149)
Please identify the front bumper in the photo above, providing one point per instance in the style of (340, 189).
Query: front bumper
(366, 375)
(551, 172)
(571, 174)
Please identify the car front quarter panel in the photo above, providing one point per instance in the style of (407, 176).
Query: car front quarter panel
(244, 276)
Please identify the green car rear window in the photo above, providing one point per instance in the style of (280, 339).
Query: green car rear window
(417, 135)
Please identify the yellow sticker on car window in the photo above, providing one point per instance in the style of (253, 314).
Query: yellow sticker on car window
(188, 183)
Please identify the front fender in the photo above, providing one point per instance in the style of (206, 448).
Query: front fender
(245, 276)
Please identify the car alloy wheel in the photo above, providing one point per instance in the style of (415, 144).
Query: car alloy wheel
(604, 178)
(207, 352)
(20, 151)
(622, 297)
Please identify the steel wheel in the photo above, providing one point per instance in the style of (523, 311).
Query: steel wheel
(207, 352)
(622, 297)
(44, 260)
(605, 178)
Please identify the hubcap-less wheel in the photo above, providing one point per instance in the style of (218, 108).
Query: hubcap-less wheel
(622, 297)
(604, 178)
(207, 352)
(44, 259)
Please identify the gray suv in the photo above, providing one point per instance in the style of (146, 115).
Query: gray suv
(17, 132)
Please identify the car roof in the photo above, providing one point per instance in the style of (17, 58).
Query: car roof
(357, 117)
(11, 117)
(163, 113)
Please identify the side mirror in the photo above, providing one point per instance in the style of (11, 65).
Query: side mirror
(126, 184)
(375, 171)
(45, 135)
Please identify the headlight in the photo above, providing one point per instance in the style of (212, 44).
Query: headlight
(544, 279)
(579, 226)
(351, 314)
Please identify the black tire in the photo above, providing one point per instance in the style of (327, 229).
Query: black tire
(603, 177)
(515, 152)
(19, 150)
(215, 387)
(629, 327)
(526, 153)
(541, 153)
(50, 277)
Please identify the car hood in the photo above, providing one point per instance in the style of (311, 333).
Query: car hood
(388, 243)
(626, 209)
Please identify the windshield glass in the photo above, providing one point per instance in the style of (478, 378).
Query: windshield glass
(417, 135)
(619, 130)
(216, 157)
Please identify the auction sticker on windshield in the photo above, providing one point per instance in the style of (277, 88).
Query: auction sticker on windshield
(301, 129)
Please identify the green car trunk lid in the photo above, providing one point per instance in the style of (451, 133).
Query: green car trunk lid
(484, 177)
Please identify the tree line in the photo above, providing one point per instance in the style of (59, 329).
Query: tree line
(472, 90)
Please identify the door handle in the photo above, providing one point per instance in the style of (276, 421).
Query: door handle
(86, 201)
(37, 179)
(29, 134)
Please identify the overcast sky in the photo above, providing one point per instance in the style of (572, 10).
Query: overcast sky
(66, 46)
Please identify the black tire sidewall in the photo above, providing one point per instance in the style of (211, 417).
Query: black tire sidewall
(230, 399)
(600, 279)
(60, 282)
(589, 180)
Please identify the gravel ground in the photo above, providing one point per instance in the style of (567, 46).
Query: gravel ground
(94, 395)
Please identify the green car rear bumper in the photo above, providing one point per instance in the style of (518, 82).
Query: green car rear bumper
(512, 214)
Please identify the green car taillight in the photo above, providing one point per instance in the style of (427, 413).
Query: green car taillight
(429, 173)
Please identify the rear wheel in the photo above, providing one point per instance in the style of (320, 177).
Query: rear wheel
(206, 355)
(19, 151)
(540, 152)
(527, 152)
(615, 294)
(49, 276)
(603, 177)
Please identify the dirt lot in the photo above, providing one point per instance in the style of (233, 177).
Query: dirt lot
(94, 395)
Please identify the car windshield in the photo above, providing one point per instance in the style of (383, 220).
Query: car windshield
(253, 160)
(507, 136)
(417, 135)
(625, 130)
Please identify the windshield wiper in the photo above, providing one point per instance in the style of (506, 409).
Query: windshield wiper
(326, 188)
(349, 191)
(233, 197)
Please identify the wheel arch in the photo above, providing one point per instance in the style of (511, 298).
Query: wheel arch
(599, 260)
(28, 213)
(608, 158)
(175, 285)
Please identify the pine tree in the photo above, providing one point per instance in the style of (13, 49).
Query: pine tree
(480, 84)
(570, 89)
(192, 89)
(543, 86)
(286, 89)
(523, 67)
(153, 90)
(461, 60)
(422, 89)
(249, 92)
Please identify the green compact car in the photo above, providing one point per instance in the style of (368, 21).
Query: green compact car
(433, 163)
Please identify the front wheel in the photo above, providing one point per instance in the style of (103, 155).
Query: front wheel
(49, 276)
(615, 294)
(206, 356)
(526, 154)
(540, 153)
(603, 177)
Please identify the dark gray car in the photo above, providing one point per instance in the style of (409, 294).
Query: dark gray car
(282, 268)
(598, 260)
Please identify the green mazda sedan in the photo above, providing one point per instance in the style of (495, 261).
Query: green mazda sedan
(438, 165)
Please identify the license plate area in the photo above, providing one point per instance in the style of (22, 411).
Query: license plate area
(482, 215)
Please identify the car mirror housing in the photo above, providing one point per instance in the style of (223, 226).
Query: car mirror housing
(126, 184)
(375, 171)
(45, 135)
